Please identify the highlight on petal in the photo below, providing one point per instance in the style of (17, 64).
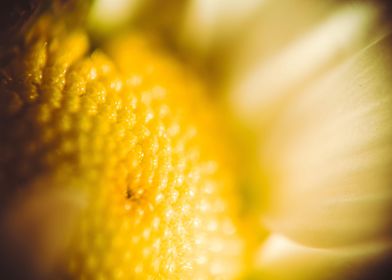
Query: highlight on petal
(107, 15)
(282, 259)
(206, 23)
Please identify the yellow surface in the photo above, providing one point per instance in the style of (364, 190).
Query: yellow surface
(131, 129)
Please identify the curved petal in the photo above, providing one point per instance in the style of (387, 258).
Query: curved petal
(277, 60)
(331, 153)
(321, 110)
(282, 259)
(207, 23)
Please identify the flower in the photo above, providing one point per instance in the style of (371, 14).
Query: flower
(304, 87)
(309, 81)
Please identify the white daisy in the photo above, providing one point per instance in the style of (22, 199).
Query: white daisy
(305, 86)
(309, 81)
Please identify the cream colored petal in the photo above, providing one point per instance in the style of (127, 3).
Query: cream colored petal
(207, 23)
(321, 112)
(329, 155)
(278, 58)
(108, 15)
(282, 259)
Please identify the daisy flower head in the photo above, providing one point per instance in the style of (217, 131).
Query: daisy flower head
(195, 139)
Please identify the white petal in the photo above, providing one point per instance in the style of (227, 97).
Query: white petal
(208, 22)
(330, 153)
(282, 259)
(107, 15)
(321, 110)
(272, 68)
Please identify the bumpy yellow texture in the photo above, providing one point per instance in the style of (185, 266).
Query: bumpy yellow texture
(130, 129)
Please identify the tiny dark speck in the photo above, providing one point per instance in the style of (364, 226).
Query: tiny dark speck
(129, 193)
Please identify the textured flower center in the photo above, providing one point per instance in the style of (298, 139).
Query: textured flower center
(130, 129)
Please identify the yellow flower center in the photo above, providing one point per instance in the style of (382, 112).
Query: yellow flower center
(130, 129)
